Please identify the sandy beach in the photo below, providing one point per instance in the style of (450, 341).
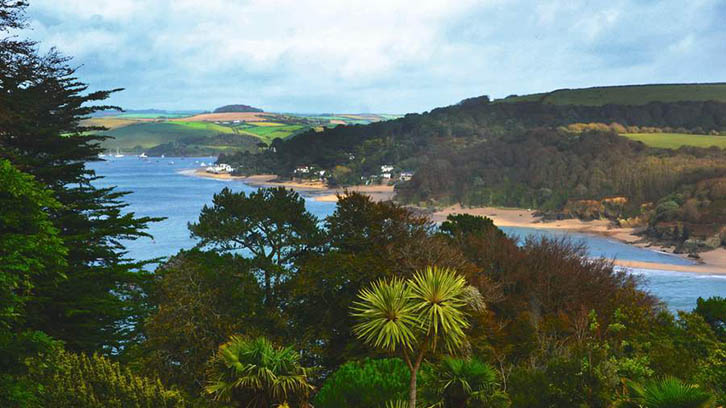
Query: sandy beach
(711, 263)
(317, 190)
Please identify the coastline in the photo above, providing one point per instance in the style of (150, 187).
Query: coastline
(711, 262)
(317, 189)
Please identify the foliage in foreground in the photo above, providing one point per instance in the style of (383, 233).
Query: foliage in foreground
(364, 384)
(666, 393)
(257, 374)
(68, 380)
(421, 315)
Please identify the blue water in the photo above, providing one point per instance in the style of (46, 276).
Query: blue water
(159, 189)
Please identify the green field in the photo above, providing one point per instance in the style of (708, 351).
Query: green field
(150, 134)
(267, 133)
(133, 132)
(676, 140)
(628, 95)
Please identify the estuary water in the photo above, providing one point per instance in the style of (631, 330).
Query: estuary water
(159, 189)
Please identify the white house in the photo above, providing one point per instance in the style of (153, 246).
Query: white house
(406, 175)
(221, 168)
(386, 168)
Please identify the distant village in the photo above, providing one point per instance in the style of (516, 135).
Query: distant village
(388, 174)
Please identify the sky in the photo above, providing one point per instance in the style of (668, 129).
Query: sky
(375, 56)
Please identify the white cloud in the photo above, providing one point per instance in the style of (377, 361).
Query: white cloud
(394, 56)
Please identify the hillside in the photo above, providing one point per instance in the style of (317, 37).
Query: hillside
(525, 154)
(628, 95)
(237, 108)
(174, 133)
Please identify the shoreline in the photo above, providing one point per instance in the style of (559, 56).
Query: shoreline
(317, 190)
(711, 263)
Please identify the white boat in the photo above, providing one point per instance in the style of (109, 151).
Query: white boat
(143, 156)
(118, 153)
(162, 156)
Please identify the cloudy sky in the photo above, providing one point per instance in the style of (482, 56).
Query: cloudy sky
(376, 56)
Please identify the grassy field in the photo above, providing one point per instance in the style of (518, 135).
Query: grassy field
(267, 133)
(628, 95)
(109, 122)
(150, 134)
(136, 132)
(676, 140)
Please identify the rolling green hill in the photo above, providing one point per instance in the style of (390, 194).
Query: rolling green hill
(628, 94)
(145, 135)
(676, 140)
(564, 160)
(183, 135)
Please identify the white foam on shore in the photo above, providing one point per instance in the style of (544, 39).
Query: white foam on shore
(664, 272)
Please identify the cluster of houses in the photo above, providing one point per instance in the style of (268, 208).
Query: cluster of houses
(388, 174)
(220, 122)
(220, 168)
(310, 172)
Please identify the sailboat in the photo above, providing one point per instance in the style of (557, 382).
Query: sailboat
(143, 156)
(118, 153)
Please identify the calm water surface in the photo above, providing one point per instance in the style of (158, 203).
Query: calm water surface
(158, 189)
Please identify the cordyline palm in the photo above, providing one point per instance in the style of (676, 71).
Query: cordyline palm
(666, 393)
(255, 373)
(415, 316)
(466, 382)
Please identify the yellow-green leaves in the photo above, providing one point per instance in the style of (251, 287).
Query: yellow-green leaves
(387, 315)
(421, 311)
(441, 296)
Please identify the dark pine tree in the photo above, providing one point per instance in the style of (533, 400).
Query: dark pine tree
(42, 104)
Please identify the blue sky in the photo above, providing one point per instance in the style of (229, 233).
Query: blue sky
(376, 56)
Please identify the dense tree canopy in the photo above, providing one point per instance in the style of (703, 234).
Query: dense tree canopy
(559, 329)
(41, 105)
(272, 224)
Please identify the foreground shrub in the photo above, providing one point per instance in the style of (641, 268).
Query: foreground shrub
(366, 384)
(667, 393)
(257, 374)
(467, 383)
(67, 380)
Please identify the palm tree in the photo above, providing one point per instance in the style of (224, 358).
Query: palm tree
(257, 373)
(415, 316)
(667, 393)
(467, 382)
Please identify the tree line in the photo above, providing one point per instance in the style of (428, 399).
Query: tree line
(374, 306)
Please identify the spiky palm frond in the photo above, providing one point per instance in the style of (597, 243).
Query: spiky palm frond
(263, 373)
(666, 393)
(441, 297)
(397, 404)
(387, 316)
(462, 382)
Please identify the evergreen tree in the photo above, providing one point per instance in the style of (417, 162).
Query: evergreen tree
(41, 107)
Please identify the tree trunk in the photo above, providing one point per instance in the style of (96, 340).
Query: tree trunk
(412, 389)
(268, 289)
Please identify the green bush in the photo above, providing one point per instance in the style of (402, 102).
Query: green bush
(366, 384)
(68, 380)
